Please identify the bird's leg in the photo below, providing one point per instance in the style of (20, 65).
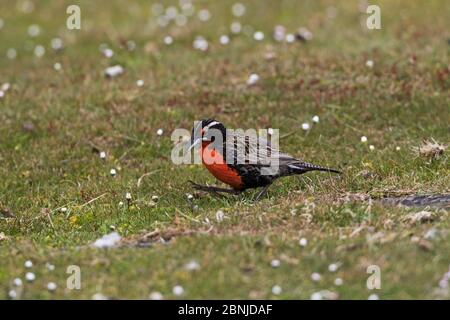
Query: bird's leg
(262, 192)
(213, 189)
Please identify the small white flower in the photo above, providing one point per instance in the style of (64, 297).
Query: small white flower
(252, 79)
(364, 139)
(238, 9)
(235, 27)
(155, 198)
(258, 36)
(114, 71)
(57, 66)
(2, 94)
(18, 282)
(30, 276)
(373, 296)
(168, 40)
(316, 296)
(224, 39)
(315, 119)
(290, 38)
(39, 51)
(204, 15)
(113, 172)
(178, 290)
(102, 155)
(397, 148)
(140, 83)
(128, 196)
(275, 263)
(190, 196)
(192, 265)
(181, 20)
(333, 267)
(51, 286)
(56, 44)
(372, 147)
(303, 242)
(50, 266)
(188, 8)
(276, 290)
(200, 43)
(28, 264)
(369, 63)
(171, 12)
(6, 86)
(99, 296)
(12, 294)
(315, 277)
(338, 282)
(63, 209)
(155, 295)
(279, 33)
(34, 30)
(108, 53)
(11, 53)
(325, 295)
(220, 216)
(120, 203)
(305, 126)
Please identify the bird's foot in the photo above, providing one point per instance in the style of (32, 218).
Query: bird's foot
(262, 192)
(211, 189)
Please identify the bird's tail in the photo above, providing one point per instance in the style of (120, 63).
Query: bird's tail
(302, 167)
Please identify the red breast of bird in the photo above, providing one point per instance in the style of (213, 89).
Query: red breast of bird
(215, 163)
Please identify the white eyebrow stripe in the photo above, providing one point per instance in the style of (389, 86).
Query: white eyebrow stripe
(211, 124)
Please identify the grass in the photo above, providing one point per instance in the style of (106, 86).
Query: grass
(54, 123)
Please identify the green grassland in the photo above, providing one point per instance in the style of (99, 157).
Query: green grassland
(54, 123)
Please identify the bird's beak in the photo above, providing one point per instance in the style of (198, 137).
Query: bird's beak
(193, 145)
(196, 142)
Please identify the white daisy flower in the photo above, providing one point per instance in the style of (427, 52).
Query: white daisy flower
(315, 277)
(252, 79)
(275, 263)
(224, 39)
(51, 286)
(178, 290)
(30, 276)
(369, 63)
(276, 290)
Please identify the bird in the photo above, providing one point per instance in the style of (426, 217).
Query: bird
(242, 161)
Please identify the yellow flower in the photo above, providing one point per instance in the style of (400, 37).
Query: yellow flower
(73, 220)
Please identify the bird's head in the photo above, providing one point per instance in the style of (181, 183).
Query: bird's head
(206, 131)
